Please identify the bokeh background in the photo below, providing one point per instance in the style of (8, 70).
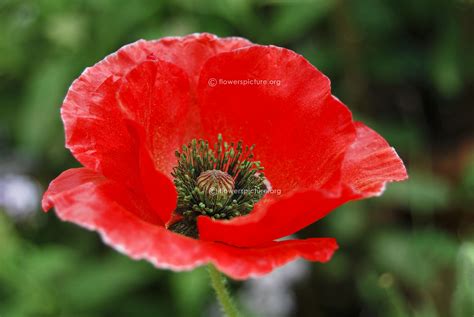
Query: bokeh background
(405, 67)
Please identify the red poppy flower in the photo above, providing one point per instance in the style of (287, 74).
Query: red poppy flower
(127, 118)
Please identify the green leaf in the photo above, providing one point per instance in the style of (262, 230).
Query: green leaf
(423, 193)
(463, 299)
(293, 18)
(416, 258)
(97, 283)
(40, 125)
(190, 291)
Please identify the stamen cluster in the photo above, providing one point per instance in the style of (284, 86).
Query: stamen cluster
(220, 182)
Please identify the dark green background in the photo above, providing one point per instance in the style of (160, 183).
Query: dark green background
(405, 67)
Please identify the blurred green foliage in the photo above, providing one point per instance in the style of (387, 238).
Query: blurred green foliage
(405, 67)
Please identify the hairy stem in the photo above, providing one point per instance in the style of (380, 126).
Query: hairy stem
(218, 282)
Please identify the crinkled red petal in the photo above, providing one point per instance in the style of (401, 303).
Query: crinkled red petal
(136, 84)
(70, 190)
(192, 51)
(369, 163)
(188, 52)
(155, 95)
(104, 140)
(95, 132)
(273, 218)
(90, 200)
(301, 136)
(97, 135)
(158, 189)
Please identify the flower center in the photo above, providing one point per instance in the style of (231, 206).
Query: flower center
(216, 185)
(221, 182)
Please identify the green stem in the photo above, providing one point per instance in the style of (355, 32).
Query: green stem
(222, 293)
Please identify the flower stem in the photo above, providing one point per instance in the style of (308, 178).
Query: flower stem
(218, 281)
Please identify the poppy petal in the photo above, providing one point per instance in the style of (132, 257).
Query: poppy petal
(104, 141)
(88, 199)
(158, 188)
(155, 95)
(96, 133)
(272, 218)
(93, 123)
(188, 52)
(369, 164)
(300, 134)
(242, 263)
(192, 51)
(70, 190)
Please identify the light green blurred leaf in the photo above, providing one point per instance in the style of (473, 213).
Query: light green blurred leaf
(348, 222)
(381, 297)
(446, 69)
(463, 300)
(293, 18)
(468, 179)
(190, 291)
(97, 283)
(39, 122)
(27, 274)
(414, 257)
(423, 193)
(66, 30)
